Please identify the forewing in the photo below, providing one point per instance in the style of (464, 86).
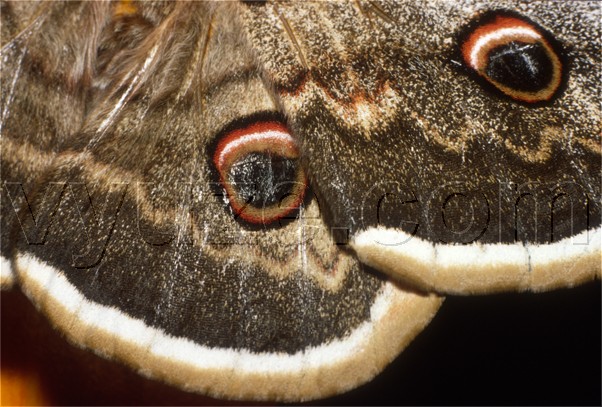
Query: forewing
(440, 180)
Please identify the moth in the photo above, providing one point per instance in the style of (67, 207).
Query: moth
(269, 200)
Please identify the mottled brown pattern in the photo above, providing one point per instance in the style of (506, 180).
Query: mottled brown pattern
(110, 112)
(401, 98)
(153, 232)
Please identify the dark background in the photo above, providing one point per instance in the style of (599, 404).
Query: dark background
(528, 349)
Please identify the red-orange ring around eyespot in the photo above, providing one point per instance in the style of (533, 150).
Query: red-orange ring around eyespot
(271, 137)
(526, 32)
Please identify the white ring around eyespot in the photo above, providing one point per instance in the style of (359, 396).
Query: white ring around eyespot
(275, 135)
(497, 35)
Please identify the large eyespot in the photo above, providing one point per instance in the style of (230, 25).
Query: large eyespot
(515, 56)
(258, 168)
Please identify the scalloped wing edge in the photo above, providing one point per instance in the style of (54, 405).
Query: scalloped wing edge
(397, 316)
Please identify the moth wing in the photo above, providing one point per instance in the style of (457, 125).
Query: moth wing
(126, 240)
(469, 190)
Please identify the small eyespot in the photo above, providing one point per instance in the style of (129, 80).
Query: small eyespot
(259, 169)
(515, 56)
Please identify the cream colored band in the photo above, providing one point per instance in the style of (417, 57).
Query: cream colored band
(481, 268)
(396, 317)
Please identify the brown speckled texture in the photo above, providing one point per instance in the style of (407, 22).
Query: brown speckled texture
(386, 107)
(111, 133)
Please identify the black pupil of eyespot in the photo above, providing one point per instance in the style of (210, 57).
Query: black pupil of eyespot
(521, 66)
(263, 179)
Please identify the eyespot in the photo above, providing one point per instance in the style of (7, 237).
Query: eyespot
(515, 56)
(259, 169)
